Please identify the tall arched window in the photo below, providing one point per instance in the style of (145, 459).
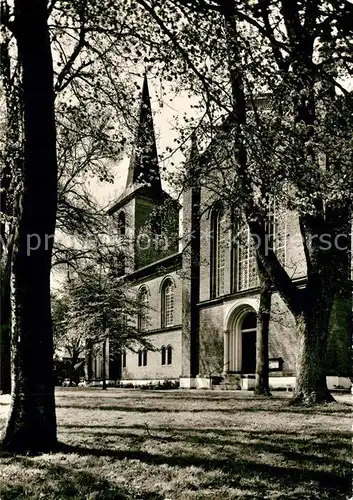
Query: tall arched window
(248, 343)
(169, 355)
(123, 359)
(163, 355)
(143, 309)
(120, 266)
(245, 273)
(217, 253)
(276, 231)
(168, 303)
(121, 223)
(142, 357)
(166, 355)
(245, 268)
(156, 224)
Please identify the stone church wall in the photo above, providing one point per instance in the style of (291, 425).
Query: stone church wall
(154, 370)
(154, 287)
(211, 340)
(295, 259)
(149, 245)
(127, 241)
(282, 338)
(159, 336)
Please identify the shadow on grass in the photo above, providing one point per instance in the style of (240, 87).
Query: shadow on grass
(178, 394)
(240, 467)
(289, 444)
(266, 409)
(64, 482)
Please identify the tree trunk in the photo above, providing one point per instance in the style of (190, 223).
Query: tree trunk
(74, 372)
(311, 308)
(5, 333)
(32, 423)
(88, 361)
(262, 386)
(104, 360)
(327, 277)
(10, 178)
(311, 384)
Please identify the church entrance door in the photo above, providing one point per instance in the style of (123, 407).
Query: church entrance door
(248, 344)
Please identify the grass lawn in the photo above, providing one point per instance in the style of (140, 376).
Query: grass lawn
(126, 444)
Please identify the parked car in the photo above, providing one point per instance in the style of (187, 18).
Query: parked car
(68, 383)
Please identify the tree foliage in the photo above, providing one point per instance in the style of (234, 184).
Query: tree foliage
(98, 306)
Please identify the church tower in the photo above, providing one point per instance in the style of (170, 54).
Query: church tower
(146, 216)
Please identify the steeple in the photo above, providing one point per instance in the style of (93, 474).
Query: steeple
(143, 168)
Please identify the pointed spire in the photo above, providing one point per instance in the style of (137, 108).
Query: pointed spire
(143, 168)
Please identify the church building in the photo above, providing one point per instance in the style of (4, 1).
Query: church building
(201, 296)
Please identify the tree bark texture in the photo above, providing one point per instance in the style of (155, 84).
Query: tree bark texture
(10, 180)
(32, 423)
(5, 326)
(88, 361)
(104, 360)
(311, 384)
